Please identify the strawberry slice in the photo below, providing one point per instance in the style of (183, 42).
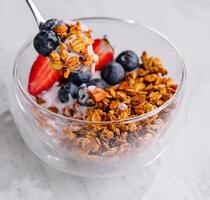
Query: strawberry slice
(104, 50)
(42, 76)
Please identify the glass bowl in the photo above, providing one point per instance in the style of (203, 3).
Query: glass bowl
(77, 146)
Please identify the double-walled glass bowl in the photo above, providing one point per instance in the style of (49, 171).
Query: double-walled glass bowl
(59, 141)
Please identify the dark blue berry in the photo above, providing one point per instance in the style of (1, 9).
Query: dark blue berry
(79, 77)
(63, 95)
(67, 90)
(45, 42)
(113, 73)
(97, 82)
(73, 89)
(82, 95)
(49, 24)
(129, 60)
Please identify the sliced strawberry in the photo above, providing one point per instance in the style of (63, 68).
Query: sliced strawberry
(42, 76)
(104, 50)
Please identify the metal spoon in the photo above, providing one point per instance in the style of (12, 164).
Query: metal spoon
(36, 13)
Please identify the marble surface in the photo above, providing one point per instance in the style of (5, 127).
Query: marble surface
(181, 173)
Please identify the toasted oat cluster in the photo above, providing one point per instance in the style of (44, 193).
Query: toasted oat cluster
(75, 49)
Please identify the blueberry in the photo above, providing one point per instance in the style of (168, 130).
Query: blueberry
(82, 95)
(49, 24)
(79, 77)
(97, 82)
(129, 60)
(66, 90)
(113, 73)
(45, 42)
(63, 95)
(72, 88)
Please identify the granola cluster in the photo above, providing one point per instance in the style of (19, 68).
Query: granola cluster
(75, 49)
(141, 91)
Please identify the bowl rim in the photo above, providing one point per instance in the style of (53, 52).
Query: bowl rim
(128, 120)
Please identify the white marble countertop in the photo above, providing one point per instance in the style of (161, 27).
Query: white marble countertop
(183, 172)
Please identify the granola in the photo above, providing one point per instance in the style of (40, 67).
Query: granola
(101, 97)
(141, 91)
(75, 49)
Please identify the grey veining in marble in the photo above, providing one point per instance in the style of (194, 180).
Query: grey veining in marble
(181, 173)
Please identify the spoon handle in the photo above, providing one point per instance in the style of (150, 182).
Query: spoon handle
(37, 15)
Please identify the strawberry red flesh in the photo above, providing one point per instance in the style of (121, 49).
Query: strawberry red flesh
(104, 50)
(42, 76)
